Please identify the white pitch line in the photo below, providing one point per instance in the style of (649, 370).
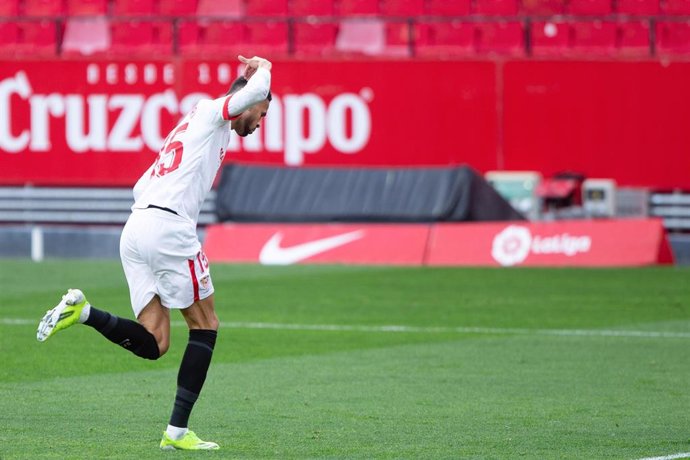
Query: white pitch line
(423, 330)
(668, 457)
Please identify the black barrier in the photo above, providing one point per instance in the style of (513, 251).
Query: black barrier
(272, 194)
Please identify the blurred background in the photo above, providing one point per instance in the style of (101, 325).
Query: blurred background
(559, 115)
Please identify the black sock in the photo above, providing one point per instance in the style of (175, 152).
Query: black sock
(192, 374)
(124, 332)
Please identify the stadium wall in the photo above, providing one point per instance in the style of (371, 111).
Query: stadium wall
(101, 122)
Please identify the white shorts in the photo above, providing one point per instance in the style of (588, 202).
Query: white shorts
(161, 254)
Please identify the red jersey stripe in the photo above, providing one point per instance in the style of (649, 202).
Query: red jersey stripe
(226, 113)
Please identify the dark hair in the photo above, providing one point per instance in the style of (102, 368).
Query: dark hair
(240, 83)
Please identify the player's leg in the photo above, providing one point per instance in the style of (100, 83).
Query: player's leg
(203, 326)
(148, 340)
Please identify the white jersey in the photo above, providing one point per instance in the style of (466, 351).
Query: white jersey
(187, 164)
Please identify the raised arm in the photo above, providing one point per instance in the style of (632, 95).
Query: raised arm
(258, 75)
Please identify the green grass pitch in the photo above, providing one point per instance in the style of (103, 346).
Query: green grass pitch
(488, 364)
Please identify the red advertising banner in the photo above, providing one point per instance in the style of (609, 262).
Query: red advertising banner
(621, 120)
(287, 244)
(102, 122)
(564, 243)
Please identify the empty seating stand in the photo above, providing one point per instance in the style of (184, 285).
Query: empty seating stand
(341, 28)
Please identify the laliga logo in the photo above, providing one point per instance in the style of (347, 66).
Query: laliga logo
(512, 245)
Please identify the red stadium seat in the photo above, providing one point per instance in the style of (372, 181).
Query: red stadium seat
(84, 37)
(446, 8)
(634, 38)
(398, 35)
(37, 38)
(500, 38)
(589, 7)
(87, 7)
(133, 7)
(543, 7)
(141, 38)
(9, 8)
(676, 7)
(44, 8)
(221, 8)
(672, 37)
(361, 37)
(644, 7)
(268, 39)
(551, 38)
(496, 7)
(304, 8)
(266, 8)
(594, 37)
(402, 7)
(211, 39)
(177, 7)
(358, 7)
(315, 40)
(445, 39)
(9, 37)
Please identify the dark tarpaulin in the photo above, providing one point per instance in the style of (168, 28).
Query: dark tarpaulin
(275, 194)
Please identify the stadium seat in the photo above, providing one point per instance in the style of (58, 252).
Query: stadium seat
(43, 8)
(177, 7)
(634, 38)
(84, 37)
(305, 8)
(221, 8)
(550, 38)
(402, 7)
(133, 7)
(87, 7)
(141, 38)
(500, 38)
(543, 7)
(267, 38)
(676, 7)
(446, 8)
(361, 37)
(589, 7)
(37, 38)
(672, 37)
(211, 38)
(358, 7)
(398, 36)
(9, 8)
(596, 38)
(445, 39)
(266, 8)
(496, 7)
(643, 7)
(9, 36)
(314, 40)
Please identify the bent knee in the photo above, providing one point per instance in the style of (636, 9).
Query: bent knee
(163, 346)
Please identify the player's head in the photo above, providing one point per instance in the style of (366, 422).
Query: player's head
(248, 120)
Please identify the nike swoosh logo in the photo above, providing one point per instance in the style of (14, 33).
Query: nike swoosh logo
(273, 254)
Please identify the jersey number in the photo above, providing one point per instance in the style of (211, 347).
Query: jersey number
(170, 156)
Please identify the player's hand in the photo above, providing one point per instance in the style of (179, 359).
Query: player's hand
(252, 64)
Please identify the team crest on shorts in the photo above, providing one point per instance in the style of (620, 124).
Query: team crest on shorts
(204, 282)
